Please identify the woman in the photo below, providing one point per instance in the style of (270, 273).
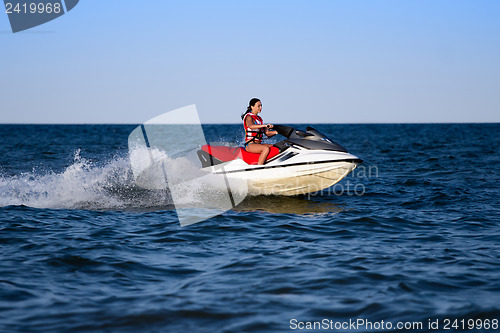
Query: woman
(254, 130)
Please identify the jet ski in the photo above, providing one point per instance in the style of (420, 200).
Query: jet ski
(305, 162)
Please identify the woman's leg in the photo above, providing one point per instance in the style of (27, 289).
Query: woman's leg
(261, 149)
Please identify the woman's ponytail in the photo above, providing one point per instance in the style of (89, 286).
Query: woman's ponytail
(249, 109)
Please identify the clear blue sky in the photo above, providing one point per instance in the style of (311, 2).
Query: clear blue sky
(116, 61)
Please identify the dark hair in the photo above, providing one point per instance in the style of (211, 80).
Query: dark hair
(249, 107)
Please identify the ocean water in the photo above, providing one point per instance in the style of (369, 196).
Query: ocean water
(411, 236)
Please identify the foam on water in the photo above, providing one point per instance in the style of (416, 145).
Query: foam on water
(110, 185)
(81, 185)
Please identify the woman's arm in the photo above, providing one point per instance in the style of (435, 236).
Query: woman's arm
(270, 133)
(251, 124)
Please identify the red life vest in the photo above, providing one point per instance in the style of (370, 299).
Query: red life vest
(253, 135)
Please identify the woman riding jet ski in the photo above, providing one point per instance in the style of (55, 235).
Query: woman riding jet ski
(254, 130)
(306, 161)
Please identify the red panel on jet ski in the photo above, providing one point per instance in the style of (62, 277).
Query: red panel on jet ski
(252, 158)
(222, 153)
(226, 154)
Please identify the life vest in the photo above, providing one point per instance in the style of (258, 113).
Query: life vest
(253, 135)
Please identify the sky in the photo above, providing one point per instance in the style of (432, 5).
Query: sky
(309, 61)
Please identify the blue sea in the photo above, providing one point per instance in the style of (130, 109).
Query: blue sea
(410, 241)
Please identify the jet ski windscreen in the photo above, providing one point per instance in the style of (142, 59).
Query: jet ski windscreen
(286, 131)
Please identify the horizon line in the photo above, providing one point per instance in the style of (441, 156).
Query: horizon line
(299, 123)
